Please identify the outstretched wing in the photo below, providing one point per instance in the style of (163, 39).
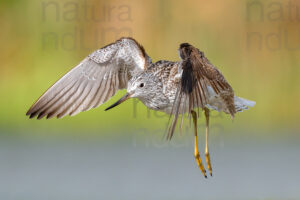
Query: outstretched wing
(199, 82)
(95, 80)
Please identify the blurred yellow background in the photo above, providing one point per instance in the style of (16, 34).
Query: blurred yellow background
(255, 44)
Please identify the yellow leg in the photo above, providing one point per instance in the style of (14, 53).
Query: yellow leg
(197, 154)
(207, 157)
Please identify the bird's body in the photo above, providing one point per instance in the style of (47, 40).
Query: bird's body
(171, 87)
(167, 75)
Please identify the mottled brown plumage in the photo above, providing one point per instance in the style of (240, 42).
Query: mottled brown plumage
(198, 76)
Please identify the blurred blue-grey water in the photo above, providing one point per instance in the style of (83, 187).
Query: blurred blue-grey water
(245, 166)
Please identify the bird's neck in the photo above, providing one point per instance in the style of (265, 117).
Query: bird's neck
(155, 102)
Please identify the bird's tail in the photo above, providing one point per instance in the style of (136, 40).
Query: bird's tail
(242, 104)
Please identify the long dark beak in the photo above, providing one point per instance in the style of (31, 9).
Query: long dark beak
(124, 98)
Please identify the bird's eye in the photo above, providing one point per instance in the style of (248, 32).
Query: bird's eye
(142, 85)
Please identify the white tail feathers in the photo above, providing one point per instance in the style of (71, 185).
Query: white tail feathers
(242, 104)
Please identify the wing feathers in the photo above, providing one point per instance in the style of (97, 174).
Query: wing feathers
(198, 76)
(45, 104)
(95, 80)
(61, 108)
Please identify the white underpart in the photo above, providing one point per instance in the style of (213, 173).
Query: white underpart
(215, 102)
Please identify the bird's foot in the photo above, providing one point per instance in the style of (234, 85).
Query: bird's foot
(207, 158)
(200, 164)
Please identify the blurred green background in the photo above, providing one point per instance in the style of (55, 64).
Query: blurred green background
(256, 45)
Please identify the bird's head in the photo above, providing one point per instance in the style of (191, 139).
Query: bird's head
(144, 85)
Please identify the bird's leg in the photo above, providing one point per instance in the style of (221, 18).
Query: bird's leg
(197, 154)
(207, 157)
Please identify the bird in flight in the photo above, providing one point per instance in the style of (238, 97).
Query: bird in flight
(175, 88)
